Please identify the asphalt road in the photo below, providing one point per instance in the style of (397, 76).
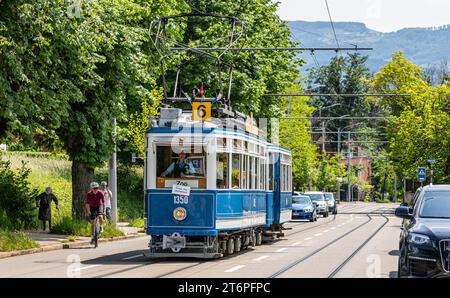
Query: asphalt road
(361, 241)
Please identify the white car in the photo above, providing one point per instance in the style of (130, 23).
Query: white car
(318, 198)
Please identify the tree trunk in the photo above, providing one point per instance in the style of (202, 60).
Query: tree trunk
(82, 176)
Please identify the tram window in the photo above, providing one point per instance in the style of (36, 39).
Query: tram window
(222, 143)
(244, 172)
(262, 174)
(222, 170)
(252, 172)
(270, 172)
(187, 164)
(236, 171)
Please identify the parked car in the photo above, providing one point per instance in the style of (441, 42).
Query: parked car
(425, 237)
(318, 198)
(303, 208)
(332, 205)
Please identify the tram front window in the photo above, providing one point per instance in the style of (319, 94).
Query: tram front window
(183, 165)
(222, 170)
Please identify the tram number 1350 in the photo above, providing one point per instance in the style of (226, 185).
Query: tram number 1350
(180, 199)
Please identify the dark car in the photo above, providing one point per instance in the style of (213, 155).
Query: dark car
(303, 208)
(425, 236)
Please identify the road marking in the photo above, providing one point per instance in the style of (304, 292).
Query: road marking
(281, 249)
(344, 223)
(317, 235)
(296, 243)
(333, 228)
(87, 267)
(309, 238)
(261, 258)
(235, 268)
(339, 226)
(133, 257)
(326, 231)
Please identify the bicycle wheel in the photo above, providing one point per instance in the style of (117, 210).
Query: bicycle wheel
(96, 230)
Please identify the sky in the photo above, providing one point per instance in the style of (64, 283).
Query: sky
(380, 15)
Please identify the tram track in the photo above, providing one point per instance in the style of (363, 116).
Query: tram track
(355, 252)
(298, 261)
(312, 227)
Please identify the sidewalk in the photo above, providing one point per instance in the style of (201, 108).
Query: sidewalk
(48, 242)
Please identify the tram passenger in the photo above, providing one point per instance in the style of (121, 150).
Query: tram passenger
(180, 168)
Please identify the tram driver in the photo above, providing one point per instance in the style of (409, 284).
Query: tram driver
(180, 168)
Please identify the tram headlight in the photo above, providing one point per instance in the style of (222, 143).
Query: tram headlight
(180, 213)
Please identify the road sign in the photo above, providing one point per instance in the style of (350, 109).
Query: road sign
(431, 160)
(422, 174)
(201, 111)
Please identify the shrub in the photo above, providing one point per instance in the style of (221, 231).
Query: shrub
(10, 240)
(67, 226)
(16, 197)
(138, 223)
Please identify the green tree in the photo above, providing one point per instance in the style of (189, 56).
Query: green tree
(420, 127)
(294, 134)
(64, 77)
(343, 75)
(254, 72)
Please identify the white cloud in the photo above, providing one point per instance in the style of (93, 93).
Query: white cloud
(380, 15)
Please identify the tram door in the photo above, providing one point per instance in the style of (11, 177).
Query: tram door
(277, 187)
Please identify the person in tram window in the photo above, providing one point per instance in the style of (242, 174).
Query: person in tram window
(180, 168)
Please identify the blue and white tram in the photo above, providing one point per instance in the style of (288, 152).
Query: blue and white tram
(239, 193)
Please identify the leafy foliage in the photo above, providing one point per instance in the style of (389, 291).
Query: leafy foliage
(294, 134)
(420, 128)
(16, 196)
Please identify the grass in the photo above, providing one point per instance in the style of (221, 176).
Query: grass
(138, 223)
(55, 171)
(11, 240)
(74, 228)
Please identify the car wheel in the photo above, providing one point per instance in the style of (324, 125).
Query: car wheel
(335, 211)
(400, 271)
(311, 219)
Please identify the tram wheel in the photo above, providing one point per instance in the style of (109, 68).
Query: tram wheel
(245, 242)
(230, 246)
(237, 244)
(258, 238)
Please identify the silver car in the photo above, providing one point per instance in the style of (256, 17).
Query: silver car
(332, 206)
(318, 198)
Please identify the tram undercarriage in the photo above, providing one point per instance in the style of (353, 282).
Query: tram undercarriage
(210, 247)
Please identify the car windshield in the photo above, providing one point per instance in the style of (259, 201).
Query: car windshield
(301, 200)
(316, 197)
(436, 204)
(329, 196)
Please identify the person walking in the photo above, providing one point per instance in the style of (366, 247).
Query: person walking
(44, 203)
(108, 197)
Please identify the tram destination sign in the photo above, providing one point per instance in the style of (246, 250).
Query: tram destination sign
(181, 189)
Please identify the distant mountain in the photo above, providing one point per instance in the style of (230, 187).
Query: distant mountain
(422, 46)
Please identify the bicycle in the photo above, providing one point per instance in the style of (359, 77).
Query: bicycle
(96, 229)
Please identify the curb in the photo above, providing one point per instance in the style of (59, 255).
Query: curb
(52, 247)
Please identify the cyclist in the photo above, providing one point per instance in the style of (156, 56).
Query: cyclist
(94, 205)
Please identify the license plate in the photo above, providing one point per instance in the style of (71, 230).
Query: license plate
(175, 242)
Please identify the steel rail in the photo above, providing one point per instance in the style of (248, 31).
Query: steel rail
(342, 265)
(295, 263)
